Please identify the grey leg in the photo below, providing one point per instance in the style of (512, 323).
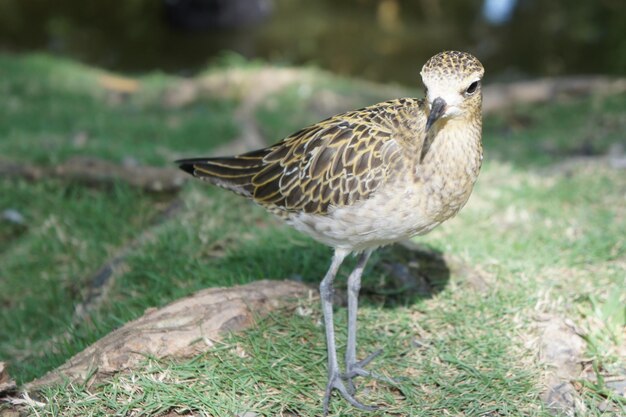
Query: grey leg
(326, 294)
(354, 286)
(354, 367)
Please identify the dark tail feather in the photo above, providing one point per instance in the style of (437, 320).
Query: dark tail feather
(233, 173)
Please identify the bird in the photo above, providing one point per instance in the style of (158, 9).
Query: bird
(367, 178)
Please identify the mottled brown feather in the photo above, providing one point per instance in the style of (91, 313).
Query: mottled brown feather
(336, 162)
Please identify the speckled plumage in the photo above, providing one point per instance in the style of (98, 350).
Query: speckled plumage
(369, 177)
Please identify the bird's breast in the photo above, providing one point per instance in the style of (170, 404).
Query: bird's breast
(447, 174)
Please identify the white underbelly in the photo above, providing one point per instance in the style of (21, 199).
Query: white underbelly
(378, 221)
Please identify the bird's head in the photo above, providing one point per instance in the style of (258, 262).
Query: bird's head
(453, 86)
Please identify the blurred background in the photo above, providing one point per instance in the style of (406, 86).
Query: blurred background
(382, 40)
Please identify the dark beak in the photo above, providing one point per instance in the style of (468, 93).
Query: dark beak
(436, 111)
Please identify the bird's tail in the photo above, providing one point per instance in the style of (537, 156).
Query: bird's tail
(233, 173)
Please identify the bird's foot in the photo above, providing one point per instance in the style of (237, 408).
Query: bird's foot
(335, 382)
(357, 369)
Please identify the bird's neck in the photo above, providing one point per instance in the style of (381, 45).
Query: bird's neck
(456, 141)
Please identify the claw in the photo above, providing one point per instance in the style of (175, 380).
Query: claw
(335, 382)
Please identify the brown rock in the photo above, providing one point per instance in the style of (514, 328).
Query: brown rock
(181, 329)
(561, 348)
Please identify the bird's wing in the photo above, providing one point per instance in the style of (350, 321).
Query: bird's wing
(334, 163)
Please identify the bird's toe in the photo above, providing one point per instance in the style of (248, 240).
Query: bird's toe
(335, 383)
(358, 369)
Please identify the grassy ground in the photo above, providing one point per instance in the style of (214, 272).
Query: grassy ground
(546, 234)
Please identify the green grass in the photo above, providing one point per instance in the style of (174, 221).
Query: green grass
(544, 238)
(279, 367)
(52, 110)
(46, 266)
(542, 134)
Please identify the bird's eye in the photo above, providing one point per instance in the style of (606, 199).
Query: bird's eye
(472, 88)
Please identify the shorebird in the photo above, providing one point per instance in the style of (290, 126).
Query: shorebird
(367, 178)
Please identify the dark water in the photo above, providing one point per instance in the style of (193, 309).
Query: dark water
(383, 40)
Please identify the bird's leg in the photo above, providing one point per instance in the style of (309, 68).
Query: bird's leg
(354, 286)
(326, 294)
(354, 367)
